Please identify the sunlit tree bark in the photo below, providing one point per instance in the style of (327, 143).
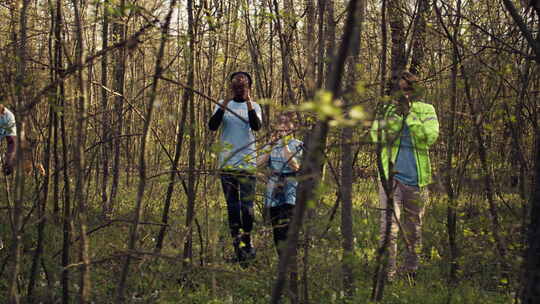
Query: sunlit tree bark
(120, 292)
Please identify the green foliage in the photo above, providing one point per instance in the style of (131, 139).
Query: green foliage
(325, 107)
(170, 279)
(496, 77)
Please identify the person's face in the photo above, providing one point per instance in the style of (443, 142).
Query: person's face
(282, 130)
(405, 88)
(283, 119)
(240, 82)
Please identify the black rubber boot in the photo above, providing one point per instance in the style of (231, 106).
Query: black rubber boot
(237, 249)
(247, 252)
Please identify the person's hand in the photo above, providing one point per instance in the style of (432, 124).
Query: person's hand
(403, 105)
(8, 169)
(249, 104)
(225, 103)
(274, 138)
(286, 148)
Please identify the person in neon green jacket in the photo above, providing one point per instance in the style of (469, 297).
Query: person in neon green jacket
(405, 131)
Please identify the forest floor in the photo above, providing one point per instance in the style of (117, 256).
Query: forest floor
(208, 278)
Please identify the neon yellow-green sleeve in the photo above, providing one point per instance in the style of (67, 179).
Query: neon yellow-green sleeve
(424, 125)
(387, 128)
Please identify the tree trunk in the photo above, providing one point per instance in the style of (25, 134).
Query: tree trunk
(311, 87)
(60, 132)
(119, 70)
(255, 55)
(66, 226)
(172, 176)
(451, 216)
(79, 161)
(285, 40)
(44, 192)
(21, 95)
(188, 94)
(419, 37)
(346, 212)
(531, 290)
(313, 160)
(133, 235)
(451, 213)
(347, 162)
(42, 210)
(398, 62)
(106, 127)
(488, 184)
(321, 7)
(399, 57)
(450, 143)
(384, 48)
(330, 39)
(56, 153)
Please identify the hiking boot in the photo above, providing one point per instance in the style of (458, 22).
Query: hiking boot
(248, 253)
(247, 256)
(237, 251)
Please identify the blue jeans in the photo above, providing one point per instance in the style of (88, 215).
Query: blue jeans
(239, 191)
(281, 190)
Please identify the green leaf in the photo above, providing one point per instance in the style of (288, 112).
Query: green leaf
(357, 113)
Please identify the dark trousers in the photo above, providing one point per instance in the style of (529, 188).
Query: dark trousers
(280, 217)
(239, 190)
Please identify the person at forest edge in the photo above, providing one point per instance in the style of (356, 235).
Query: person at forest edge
(283, 159)
(8, 130)
(237, 160)
(406, 130)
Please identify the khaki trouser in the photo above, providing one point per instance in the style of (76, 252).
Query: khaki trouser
(409, 200)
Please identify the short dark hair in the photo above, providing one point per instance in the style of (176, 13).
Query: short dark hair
(245, 73)
(409, 78)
